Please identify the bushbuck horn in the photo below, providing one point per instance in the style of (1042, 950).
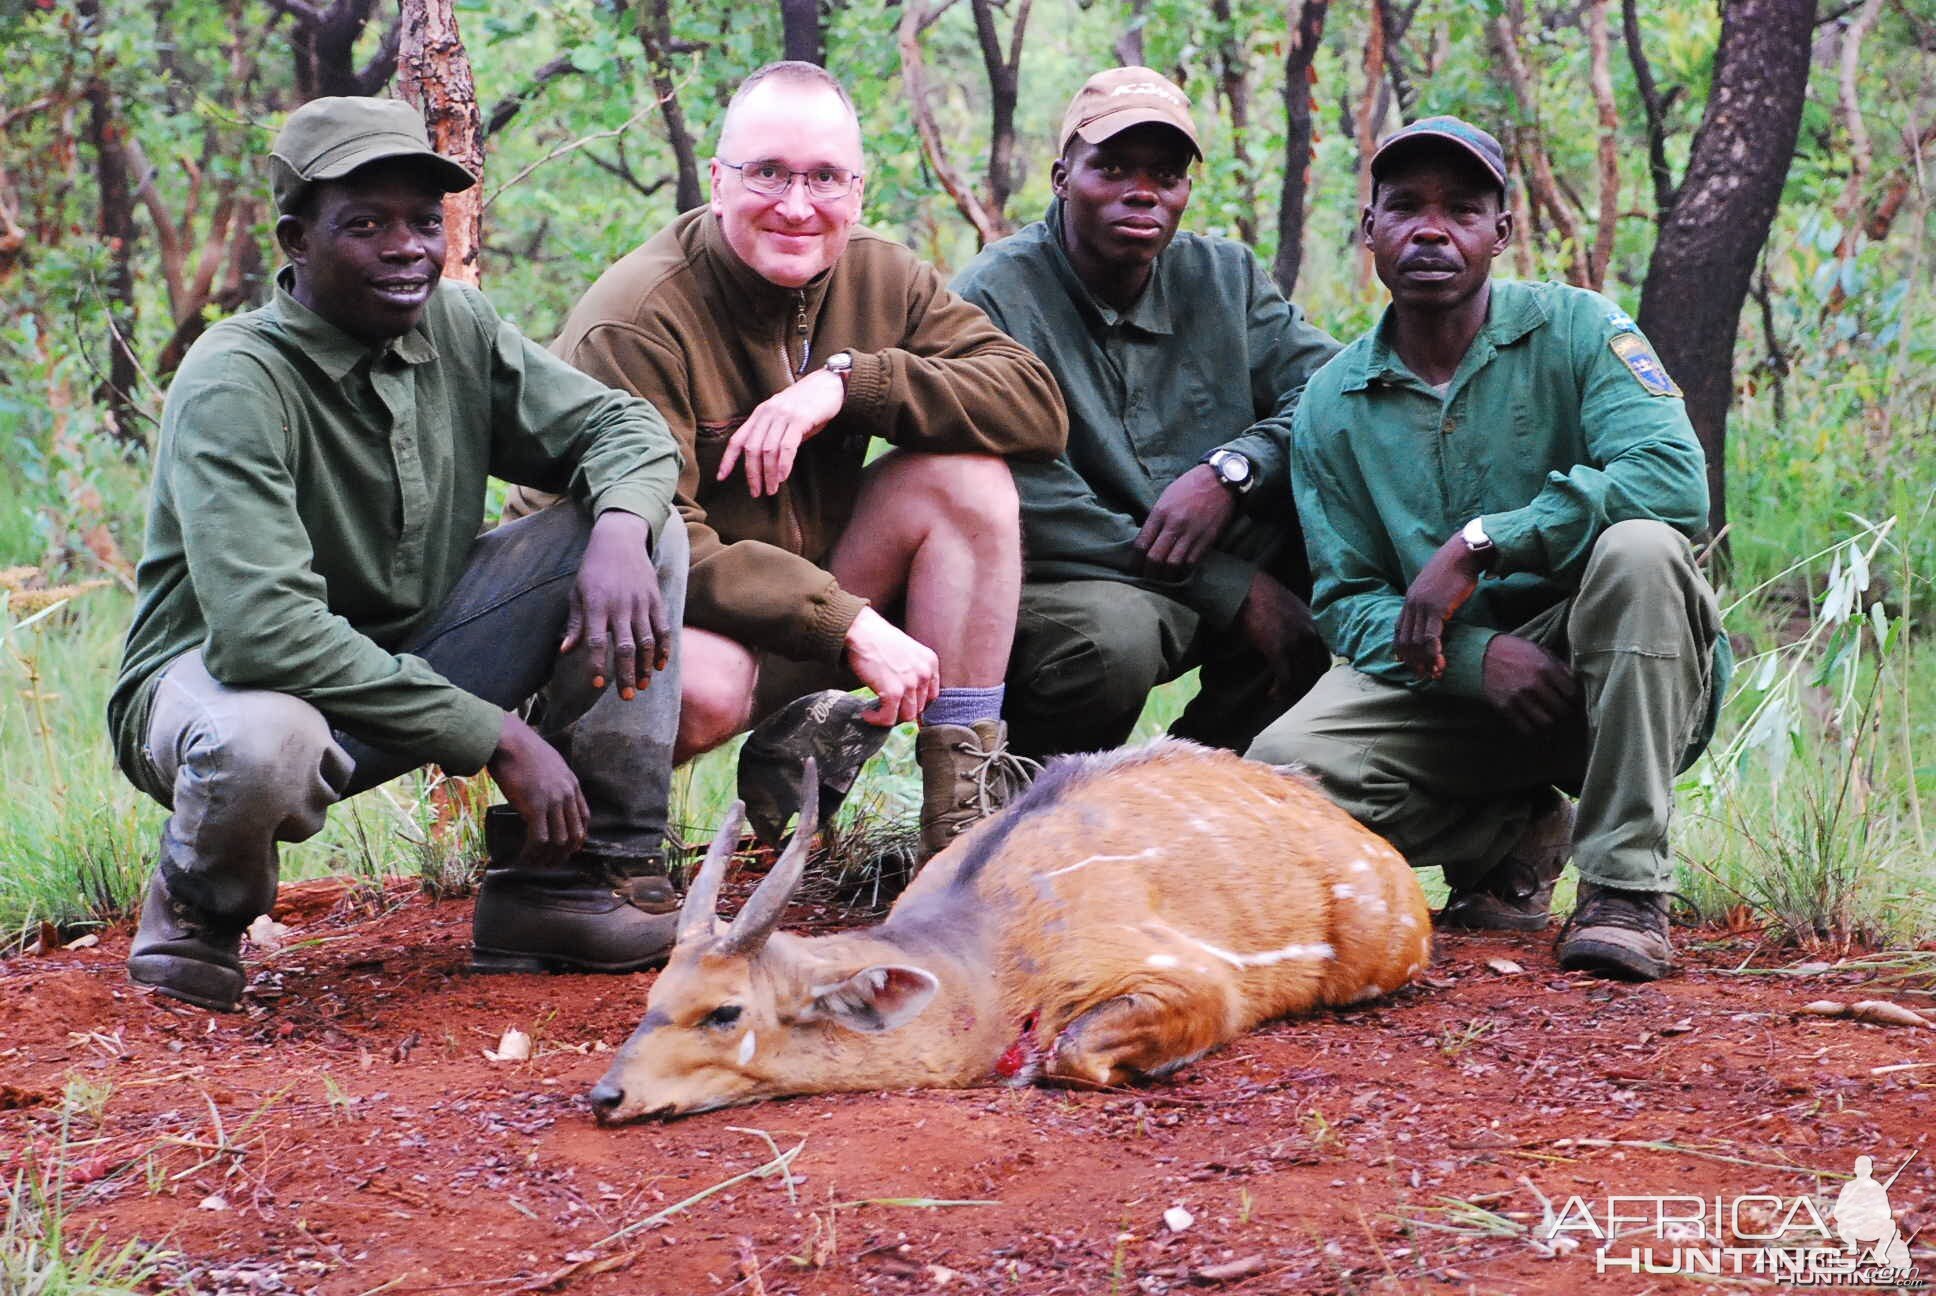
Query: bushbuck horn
(761, 913)
(699, 916)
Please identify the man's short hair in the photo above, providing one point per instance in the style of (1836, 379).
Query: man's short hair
(790, 72)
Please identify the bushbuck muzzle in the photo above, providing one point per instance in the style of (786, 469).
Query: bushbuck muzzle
(1130, 911)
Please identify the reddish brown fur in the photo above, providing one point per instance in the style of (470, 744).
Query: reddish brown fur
(1138, 910)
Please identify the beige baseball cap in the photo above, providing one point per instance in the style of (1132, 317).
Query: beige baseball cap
(1113, 101)
(328, 138)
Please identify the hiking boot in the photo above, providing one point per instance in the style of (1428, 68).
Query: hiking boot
(1618, 933)
(604, 909)
(1517, 895)
(185, 954)
(967, 774)
(772, 764)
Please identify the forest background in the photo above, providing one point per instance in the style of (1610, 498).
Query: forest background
(1751, 180)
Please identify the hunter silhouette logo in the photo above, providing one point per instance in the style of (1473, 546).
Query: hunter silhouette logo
(1864, 1221)
(1759, 1234)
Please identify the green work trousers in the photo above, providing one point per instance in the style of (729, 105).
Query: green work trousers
(1087, 654)
(1450, 783)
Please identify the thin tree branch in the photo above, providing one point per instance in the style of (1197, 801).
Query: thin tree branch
(1654, 105)
(508, 107)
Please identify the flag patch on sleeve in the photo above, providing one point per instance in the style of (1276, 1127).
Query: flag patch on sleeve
(1643, 364)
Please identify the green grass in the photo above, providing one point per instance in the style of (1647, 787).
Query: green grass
(38, 1257)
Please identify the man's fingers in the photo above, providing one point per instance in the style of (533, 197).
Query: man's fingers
(734, 445)
(789, 451)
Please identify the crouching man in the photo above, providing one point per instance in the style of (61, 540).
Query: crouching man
(317, 613)
(1498, 483)
(779, 337)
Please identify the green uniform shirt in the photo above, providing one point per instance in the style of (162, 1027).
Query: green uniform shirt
(1210, 355)
(315, 499)
(1558, 423)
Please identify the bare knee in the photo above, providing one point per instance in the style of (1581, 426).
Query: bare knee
(973, 492)
(716, 682)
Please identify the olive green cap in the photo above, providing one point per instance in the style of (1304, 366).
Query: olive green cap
(328, 138)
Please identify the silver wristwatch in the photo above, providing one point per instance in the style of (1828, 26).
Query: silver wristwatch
(1233, 470)
(840, 362)
(1475, 537)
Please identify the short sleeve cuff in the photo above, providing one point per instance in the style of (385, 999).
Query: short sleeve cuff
(466, 743)
(1516, 541)
(866, 385)
(1221, 585)
(1465, 659)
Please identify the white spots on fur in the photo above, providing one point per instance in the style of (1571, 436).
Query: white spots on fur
(1162, 960)
(1344, 891)
(1264, 958)
(1148, 852)
(748, 1046)
(1408, 920)
(1412, 971)
(1370, 992)
(1359, 865)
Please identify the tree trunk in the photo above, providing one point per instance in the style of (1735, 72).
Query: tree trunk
(115, 225)
(988, 225)
(1233, 80)
(1300, 75)
(655, 35)
(436, 78)
(1004, 83)
(1129, 45)
(1697, 281)
(1608, 221)
(1371, 114)
(325, 45)
(800, 19)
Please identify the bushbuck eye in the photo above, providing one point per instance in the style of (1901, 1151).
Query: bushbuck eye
(724, 1015)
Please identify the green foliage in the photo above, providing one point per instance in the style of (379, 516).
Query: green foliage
(39, 1257)
(1837, 374)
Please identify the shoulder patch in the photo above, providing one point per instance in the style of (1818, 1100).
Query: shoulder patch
(1621, 322)
(1643, 364)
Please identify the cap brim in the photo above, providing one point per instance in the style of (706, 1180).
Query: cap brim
(454, 177)
(1110, 125)
(1432, 139)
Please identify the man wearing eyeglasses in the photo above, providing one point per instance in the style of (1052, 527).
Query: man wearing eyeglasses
(778, 337)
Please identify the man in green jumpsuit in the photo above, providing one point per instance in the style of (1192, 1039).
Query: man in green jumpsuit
(1497, 484)
(1160, 539)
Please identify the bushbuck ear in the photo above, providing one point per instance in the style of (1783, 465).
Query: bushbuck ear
(878, 998)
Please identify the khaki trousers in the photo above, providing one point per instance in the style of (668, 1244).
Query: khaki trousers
(1451, 784)
(244, 769)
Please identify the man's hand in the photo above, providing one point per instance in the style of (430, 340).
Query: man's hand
(541, 788)
(1534, 689)
(1278, 624)
(903, 672)
(1444, 585)
(1189, 516)
(771, 435)
(616, 607)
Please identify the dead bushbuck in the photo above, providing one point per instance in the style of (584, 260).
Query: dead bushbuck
(1127, 913)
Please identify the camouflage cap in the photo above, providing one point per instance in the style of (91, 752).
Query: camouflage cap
(328, 138)
(1439, 132)
(1113, 101)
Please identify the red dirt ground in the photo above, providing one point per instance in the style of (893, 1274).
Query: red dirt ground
(346, 1135)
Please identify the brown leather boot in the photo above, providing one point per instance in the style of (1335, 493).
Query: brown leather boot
(1616, 933)
(602, 910)
(184, 953)
(1517, 895)
(967, 774)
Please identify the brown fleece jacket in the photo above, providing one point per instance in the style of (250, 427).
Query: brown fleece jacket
(686, 324)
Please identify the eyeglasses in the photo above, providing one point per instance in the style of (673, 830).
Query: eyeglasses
(772, 177)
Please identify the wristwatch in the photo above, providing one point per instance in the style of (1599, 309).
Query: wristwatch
(841, 363)
(1476, 539)
(1232, 469)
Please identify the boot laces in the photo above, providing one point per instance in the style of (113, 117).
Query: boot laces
(994, 778)
(1638, 911)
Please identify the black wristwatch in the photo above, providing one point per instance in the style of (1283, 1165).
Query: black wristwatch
(1233, 470)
